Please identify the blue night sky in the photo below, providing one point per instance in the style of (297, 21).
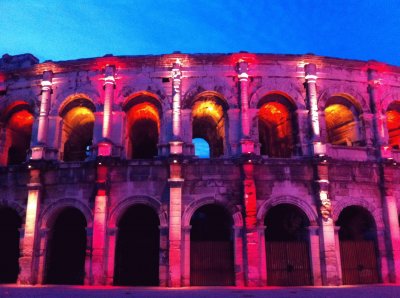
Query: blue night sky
(64, 30)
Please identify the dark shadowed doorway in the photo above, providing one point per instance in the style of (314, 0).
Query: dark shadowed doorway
(287, 246)
(10, 222)
(211, 247)
(65, 261)
(137, 250)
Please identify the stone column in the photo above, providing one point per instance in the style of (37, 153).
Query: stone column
(390, 217)
(88, 256)
(311, 78)
(99, 227)
(175, 224)
(186, 257)
(262, 255)
(328, 246)
(28, 274)
(252, 238)
(389, 206)
(176, 100)
(112, 238)
(39, 150)
(238, 255)
(247, 145)
(106, 144)
(315, 254)
(43, 240)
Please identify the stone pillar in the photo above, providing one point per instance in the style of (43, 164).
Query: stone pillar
(315, 255)
(262, 255)
(390, 217)
(43, 236)
(27, 260)
(311, 78)
(238, 255)
(176, 100)
(175, 224)
(328, 248)
(112, 238)
(106, 144)
(99, 227)
(247, 145)
(88, 256)
(389, 206)
(252, 237)
(39, 150)
(186, 257)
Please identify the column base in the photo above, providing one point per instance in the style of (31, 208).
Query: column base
(319, 149)
(106, 148)
(246, 146)
(41, 152)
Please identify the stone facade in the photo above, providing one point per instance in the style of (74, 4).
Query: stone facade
(312, 132)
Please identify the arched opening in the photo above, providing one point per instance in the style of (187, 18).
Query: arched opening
(211, 247)
(201, 148)
(209, 123)
(66, 248)
(393, 124)
(19, 121)
(287, 246)
(277, 126)
(343, 124)
(143, 127)
(358, 246)
(137, 250)
(77, 134)
(10, 222)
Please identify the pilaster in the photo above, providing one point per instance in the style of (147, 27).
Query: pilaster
(28, 273)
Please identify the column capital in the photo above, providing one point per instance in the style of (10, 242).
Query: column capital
(109, 75)
(47, 80)
(310, 70)
(242, 69)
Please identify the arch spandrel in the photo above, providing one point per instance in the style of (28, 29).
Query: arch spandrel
(64, 98)
(223, 93)
(292, 92)
(50, 212)
(376, 213)
(118, 210)
(351, 94)
(308, 210)
(15, 206)
(232, 210)
(387, 99)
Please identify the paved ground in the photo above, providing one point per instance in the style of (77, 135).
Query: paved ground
(381, 291)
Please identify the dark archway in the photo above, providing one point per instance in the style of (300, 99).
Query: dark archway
(277, 126)
(211, 247)
(66, 249)
(143, 125)
(137, 249)
(358, 246)
(10, 222)
(287, 246)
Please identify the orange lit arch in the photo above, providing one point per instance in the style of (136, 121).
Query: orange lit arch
(143, 123)
(77, 129)
(393, 124)
(208, 114)
(342, 118)
(277, 125)
(18, 119)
